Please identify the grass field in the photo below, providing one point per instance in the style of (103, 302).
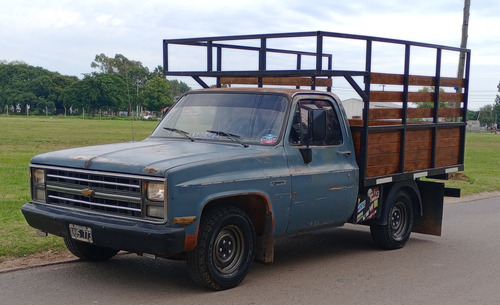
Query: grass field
(22, 137)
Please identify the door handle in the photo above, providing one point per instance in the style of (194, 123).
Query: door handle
(347, 153)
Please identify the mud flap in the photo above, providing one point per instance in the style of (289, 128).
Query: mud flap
(430, 220)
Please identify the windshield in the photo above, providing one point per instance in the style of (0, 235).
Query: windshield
(241, 117)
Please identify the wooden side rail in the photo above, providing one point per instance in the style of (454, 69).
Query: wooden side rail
(415, 80)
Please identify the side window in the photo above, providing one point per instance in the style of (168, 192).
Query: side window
(300, 133)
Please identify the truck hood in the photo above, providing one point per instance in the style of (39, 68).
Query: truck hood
(149, 157)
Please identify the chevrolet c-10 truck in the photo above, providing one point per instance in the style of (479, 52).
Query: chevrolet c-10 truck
(263, 154)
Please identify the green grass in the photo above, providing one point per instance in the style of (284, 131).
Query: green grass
(21, 138)
(482, 164)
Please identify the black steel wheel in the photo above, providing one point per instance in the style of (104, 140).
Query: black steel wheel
(396, 232)
(88, 252)
(225, 249)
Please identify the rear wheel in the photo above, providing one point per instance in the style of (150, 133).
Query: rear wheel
(225, 250)
(88, 252)
(396, 232)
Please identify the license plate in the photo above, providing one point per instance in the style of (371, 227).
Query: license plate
(81, 233)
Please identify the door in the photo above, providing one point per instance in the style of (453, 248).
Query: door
(324, 191)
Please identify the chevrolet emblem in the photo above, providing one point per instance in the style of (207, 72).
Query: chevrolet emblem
(87, 192)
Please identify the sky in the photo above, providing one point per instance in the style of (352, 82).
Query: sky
(66, 35)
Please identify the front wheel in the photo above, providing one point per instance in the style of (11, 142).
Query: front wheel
(225, 250)
(396, 232)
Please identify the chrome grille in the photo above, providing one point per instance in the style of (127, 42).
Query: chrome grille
(102, 193)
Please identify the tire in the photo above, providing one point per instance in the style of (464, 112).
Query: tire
(225, 249)
(88, 252)
(396, 232)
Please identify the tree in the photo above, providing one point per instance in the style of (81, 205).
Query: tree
(97, 92)
(60, 82)
(472, 115)
(158, 71)
(178, 88)
(129, 69)
(132, 70)
(157, 94)
(486, 115)
(496, 107)
(22, 85)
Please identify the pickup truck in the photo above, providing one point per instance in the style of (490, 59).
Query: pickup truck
(259, 155)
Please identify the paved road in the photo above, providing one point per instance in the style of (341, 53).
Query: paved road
(336, 267)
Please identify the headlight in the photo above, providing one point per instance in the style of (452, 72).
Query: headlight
(38, 184)
(155, 211)
(39, 177)
(156, 191)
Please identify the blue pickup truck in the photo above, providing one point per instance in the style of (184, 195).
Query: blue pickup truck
(231, 169)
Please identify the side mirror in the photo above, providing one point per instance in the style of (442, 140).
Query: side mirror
(317, 125)
(316, 132)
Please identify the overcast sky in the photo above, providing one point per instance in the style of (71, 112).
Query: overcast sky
(65, 36)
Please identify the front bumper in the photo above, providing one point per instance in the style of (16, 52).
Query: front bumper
(113, 233)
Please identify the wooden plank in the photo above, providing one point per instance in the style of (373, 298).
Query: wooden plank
(382, 137)
(447, 156)
(277, 81)
(418, 155)
(417, 165)
(385, 113)
(377, 149)
(377, 171)
(414, 97)
(451, 132)
(415, 80)
(383, 159)
(413, 113)
(450, 112)
(448, 142)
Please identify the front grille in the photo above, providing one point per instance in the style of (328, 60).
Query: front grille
(102, 193)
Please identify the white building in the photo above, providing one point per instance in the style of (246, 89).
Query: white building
(354, 107)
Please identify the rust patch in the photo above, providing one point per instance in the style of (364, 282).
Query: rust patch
(190, 242)
(151, 170)
(333, 188)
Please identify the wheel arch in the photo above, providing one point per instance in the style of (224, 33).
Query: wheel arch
(258, 208)
(391, 191)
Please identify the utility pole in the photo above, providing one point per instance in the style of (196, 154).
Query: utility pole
(463, 44)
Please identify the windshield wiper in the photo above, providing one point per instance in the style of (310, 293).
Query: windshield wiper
(181, 132)
(230, 136)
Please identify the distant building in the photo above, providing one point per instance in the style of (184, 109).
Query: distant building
(473, 125)
(354, 107)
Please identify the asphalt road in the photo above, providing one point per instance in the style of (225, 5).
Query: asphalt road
(335, 267)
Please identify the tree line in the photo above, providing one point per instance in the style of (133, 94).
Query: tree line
(118, 85)
(487, 115)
